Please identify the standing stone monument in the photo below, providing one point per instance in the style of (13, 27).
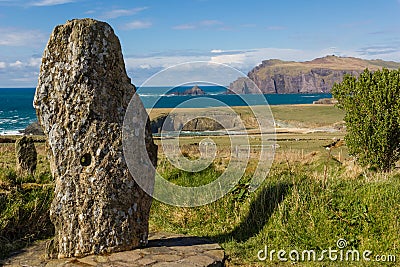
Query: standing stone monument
(26, 155)
(81, 99)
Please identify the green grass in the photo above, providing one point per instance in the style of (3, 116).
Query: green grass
(24, 213)
(187, 179)
(312, 116)
(308, 201)
(24, 201)
(295, 209)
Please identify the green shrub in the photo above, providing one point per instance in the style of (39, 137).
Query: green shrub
(372, 106)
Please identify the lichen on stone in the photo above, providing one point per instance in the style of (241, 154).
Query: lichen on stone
(81, 100)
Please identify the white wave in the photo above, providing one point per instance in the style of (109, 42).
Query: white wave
(150, 94)
(11, 132)
(5, 120)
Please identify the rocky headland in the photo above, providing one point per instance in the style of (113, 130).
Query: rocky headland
(317, 76)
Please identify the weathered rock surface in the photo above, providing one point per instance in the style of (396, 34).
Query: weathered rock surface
(81, 99)
(201, 122)
(316, 76)
(26, 155)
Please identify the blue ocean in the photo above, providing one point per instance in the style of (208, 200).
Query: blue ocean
(17, 112)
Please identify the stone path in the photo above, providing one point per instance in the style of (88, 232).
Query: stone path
(167, 250)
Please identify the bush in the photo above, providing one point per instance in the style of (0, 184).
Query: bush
(372, 106)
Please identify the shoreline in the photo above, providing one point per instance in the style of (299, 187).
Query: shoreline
(155, 112)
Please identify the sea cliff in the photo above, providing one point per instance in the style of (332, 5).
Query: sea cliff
(316, 76)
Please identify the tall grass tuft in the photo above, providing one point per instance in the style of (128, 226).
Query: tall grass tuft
(24, 209)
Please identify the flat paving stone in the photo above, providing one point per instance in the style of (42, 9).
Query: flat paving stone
(90, 260)
(200, 260)
(163, 250)
(127, 256)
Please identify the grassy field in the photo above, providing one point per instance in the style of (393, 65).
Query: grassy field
(306, 115)
(309, 200)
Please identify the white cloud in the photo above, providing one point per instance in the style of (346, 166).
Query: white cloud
(24, 71)
(116, 13)
(200, 24)
(137, 24)
(378, 50)
(145, 66)
(184, 27)
(17, 64)
(152, 62)
(210, 22)
(250, 58)
(31, 63)
(142, 67)
(19, 73)
(34, 62)
(24, 80)
(20, 37)
(51, 2)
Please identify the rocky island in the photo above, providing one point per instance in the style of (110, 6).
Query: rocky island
(195, 90)
(316, 76)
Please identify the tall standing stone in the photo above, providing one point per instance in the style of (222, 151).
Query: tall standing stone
(81, 99)
(26, 155)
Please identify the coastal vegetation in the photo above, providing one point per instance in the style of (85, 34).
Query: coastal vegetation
(311, 198)
(372, 107)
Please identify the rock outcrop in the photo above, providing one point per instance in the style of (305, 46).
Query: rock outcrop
(81, 99)
(325, 101)
(33, 129)
(26, 155)
(316, 76)
(187, 122)
(195, 90)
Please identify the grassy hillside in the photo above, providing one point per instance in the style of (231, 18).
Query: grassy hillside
(308, 201)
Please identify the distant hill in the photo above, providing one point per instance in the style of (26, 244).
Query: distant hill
(317, 76)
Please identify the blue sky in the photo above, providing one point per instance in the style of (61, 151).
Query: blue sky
(160, 33)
